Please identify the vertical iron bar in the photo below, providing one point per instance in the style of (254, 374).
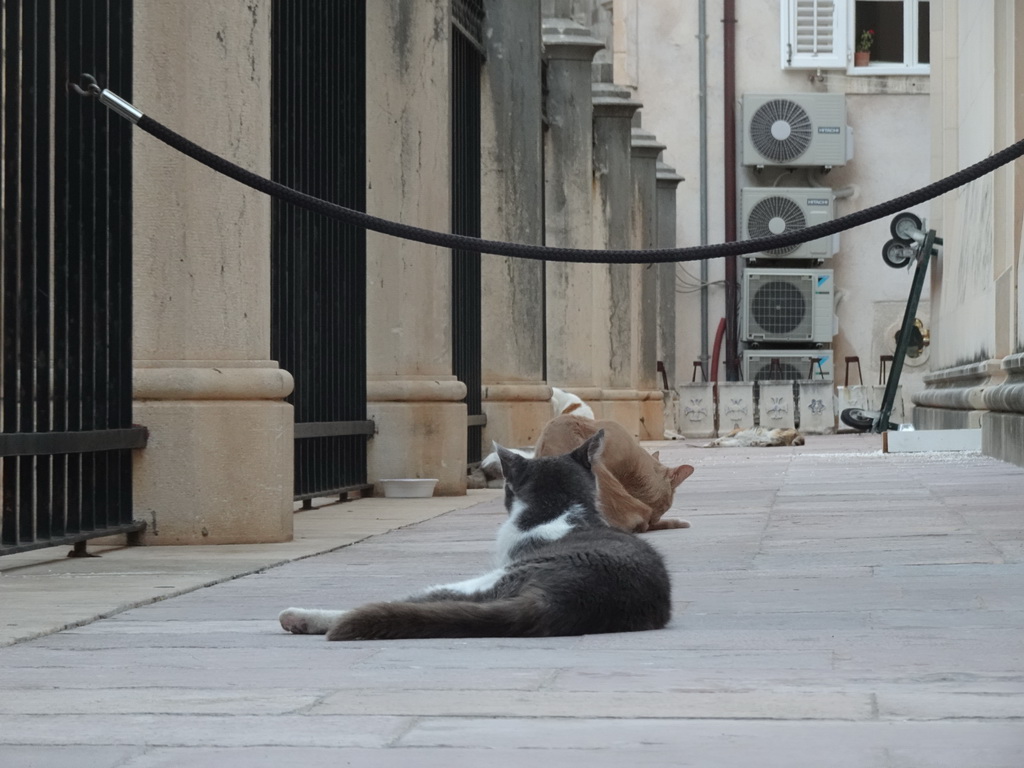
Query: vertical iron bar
(66, 266)
(26, 272)
(40, 238)
(77, 147)
(318, 330)
(64, 466)
(11, 214)
(466, 333)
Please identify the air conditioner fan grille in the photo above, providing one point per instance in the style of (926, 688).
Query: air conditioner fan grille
(775, 216)
(781, 130)
(779, 307)
(766, 371)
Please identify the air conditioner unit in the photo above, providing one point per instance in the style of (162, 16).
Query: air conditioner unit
(766, 211)
(805, 129)
(786, 364)
(787, 305)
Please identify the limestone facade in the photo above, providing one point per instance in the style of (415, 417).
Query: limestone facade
(978, 281)
(554, 169)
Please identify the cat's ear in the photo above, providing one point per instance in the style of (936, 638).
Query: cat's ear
(589, 453)
(511, 462)
(655, 455)
(680, 473)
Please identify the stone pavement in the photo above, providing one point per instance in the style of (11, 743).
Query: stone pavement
(834, 606)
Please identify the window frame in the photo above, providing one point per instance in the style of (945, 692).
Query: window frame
(911, 43)
(837, 58)
(844, 37)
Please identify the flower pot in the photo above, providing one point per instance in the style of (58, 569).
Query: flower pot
(861, 58)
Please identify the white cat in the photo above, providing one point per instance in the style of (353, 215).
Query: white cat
(562, 402)
(566, 402)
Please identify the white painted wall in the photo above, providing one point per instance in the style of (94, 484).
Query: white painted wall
(890, 118)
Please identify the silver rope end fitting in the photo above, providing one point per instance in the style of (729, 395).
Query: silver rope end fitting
(114, 102)
(109, 99)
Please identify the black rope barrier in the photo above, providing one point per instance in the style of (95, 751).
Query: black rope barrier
(545, 252)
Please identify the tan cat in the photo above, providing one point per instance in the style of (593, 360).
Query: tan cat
(757, 437)
(634, 489)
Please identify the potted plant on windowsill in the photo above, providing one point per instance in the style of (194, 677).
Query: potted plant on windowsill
(862, 54)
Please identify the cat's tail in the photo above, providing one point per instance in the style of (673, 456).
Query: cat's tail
(520, 616)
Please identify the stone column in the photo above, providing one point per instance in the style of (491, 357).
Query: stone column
(616, 289)
(568, 160)
(1003, 424)
(515, 397)
(667, 181)
(412, 394)
(645, 149)
(218, 466)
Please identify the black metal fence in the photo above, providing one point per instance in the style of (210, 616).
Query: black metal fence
(467, 60)
(65, 384)
(318, 266)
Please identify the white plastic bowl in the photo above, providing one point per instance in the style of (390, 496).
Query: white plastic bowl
(409, 488)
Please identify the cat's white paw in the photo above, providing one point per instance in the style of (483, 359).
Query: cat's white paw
(305, 621)
(294, 620)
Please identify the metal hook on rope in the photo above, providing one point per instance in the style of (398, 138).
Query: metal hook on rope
(91, 88)
(107, 98)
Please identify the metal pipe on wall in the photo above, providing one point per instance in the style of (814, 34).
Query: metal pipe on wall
(702, 77)
(732, 368)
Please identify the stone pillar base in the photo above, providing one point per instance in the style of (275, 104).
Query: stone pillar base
(421, 432)
(516, 414)
(219, 464)
(640, 411)
(622, 406)
(652, 415)
(214, 472)
(1002, 436)
(946, 418)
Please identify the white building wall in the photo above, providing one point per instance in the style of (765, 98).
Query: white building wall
(890, 118)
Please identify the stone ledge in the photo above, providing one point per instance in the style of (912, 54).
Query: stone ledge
(962, 387)
(525, 392)
(212, 383)
(1007, 396)
(433, 389)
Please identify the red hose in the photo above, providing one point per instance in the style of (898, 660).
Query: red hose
(717, 351)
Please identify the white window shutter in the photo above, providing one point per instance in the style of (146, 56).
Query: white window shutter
(814, 34)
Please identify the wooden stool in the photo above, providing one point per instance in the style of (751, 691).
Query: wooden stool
(883, 360)
(853, 359)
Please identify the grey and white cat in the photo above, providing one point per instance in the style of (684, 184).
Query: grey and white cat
(562, 570)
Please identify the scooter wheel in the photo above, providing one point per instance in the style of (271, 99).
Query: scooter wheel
(897, 254)
(903, 224)
(856, 418)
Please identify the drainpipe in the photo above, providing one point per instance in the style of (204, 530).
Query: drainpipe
(702, 79)
(732, 341)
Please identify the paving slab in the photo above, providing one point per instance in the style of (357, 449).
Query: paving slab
(81, 590)
(832, 605)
